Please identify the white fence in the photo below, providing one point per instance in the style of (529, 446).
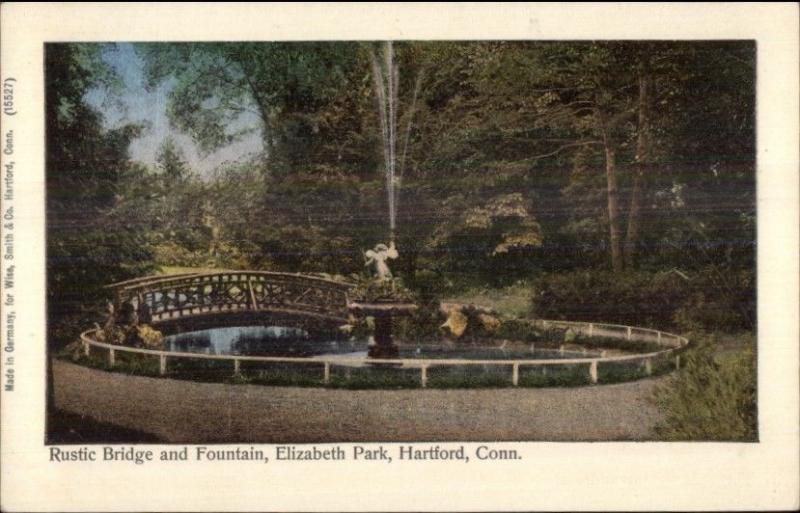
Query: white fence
(670, 341)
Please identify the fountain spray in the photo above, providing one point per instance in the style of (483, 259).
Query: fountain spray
(385, 80)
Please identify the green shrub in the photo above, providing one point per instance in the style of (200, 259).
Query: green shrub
(620, 372)
(173, 254)
(423, 324)
(554, 376)
(524, 330)
(279, 373)
(712, 397)
(707, 299)
(200, 369)
(355, 378)
(137, 364)
(469, 376)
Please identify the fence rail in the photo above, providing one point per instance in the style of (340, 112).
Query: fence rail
(671, 341)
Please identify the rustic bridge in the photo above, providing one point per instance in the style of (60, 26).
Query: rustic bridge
(193, 301)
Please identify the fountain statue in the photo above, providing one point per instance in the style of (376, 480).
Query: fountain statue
(378, 257)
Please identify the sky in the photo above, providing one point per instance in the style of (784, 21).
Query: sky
(134, 104)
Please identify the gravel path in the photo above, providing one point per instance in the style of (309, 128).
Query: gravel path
(189, 412)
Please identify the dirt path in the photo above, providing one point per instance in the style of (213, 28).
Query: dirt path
(189, 412)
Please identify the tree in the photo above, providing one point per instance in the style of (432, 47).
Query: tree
(171, 162)
(87, 245)
(281, 84)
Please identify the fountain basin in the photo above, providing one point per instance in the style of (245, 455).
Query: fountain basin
(384, 314)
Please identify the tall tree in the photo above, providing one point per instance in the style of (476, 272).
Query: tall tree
(87, 246)
(171, 162)
(281, 84)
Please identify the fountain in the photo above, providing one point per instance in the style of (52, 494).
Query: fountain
(383, 298)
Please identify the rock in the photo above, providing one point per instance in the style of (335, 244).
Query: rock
(456, 323)
(490, 323)
(468, 317)
(113, 334)
(148, 337)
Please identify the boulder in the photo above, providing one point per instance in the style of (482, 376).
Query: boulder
(143, 335)
(456, 323)
(468, 318)
(490, 323)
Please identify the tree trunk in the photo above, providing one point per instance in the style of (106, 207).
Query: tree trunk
(633, 218)
(643, 159)
(613, 204)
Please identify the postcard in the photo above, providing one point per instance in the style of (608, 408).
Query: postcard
(387, 257)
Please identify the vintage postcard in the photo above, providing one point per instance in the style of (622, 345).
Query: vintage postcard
(392, 257)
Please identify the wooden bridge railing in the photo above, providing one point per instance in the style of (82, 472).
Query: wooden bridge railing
(191, 294)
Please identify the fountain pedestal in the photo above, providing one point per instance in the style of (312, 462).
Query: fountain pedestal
(384, 314)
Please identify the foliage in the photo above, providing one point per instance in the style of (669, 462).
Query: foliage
(356, 378)
(712, 397)
(505, 220)
(525, 330)
(371, 290)
(558, 376)
(423, 324)
(512, 300)
(88, 244)
(708, 299)
(170, 161)
(283, 83)
(469, 376)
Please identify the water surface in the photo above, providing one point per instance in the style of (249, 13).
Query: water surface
(283, 341)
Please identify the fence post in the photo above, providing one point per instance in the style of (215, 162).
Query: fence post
(629, 332)
(648, 366)
(85, 348)
(658, 337)
(162, 364)
(111, 358)
(677, 362)
(593, 372)
(591, 329)
(236, 367)
(515, 374)
(423, 377)
(326, 376)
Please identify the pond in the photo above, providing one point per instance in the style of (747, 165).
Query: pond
(296, 342)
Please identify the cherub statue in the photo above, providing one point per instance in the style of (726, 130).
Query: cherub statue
(378, 257)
